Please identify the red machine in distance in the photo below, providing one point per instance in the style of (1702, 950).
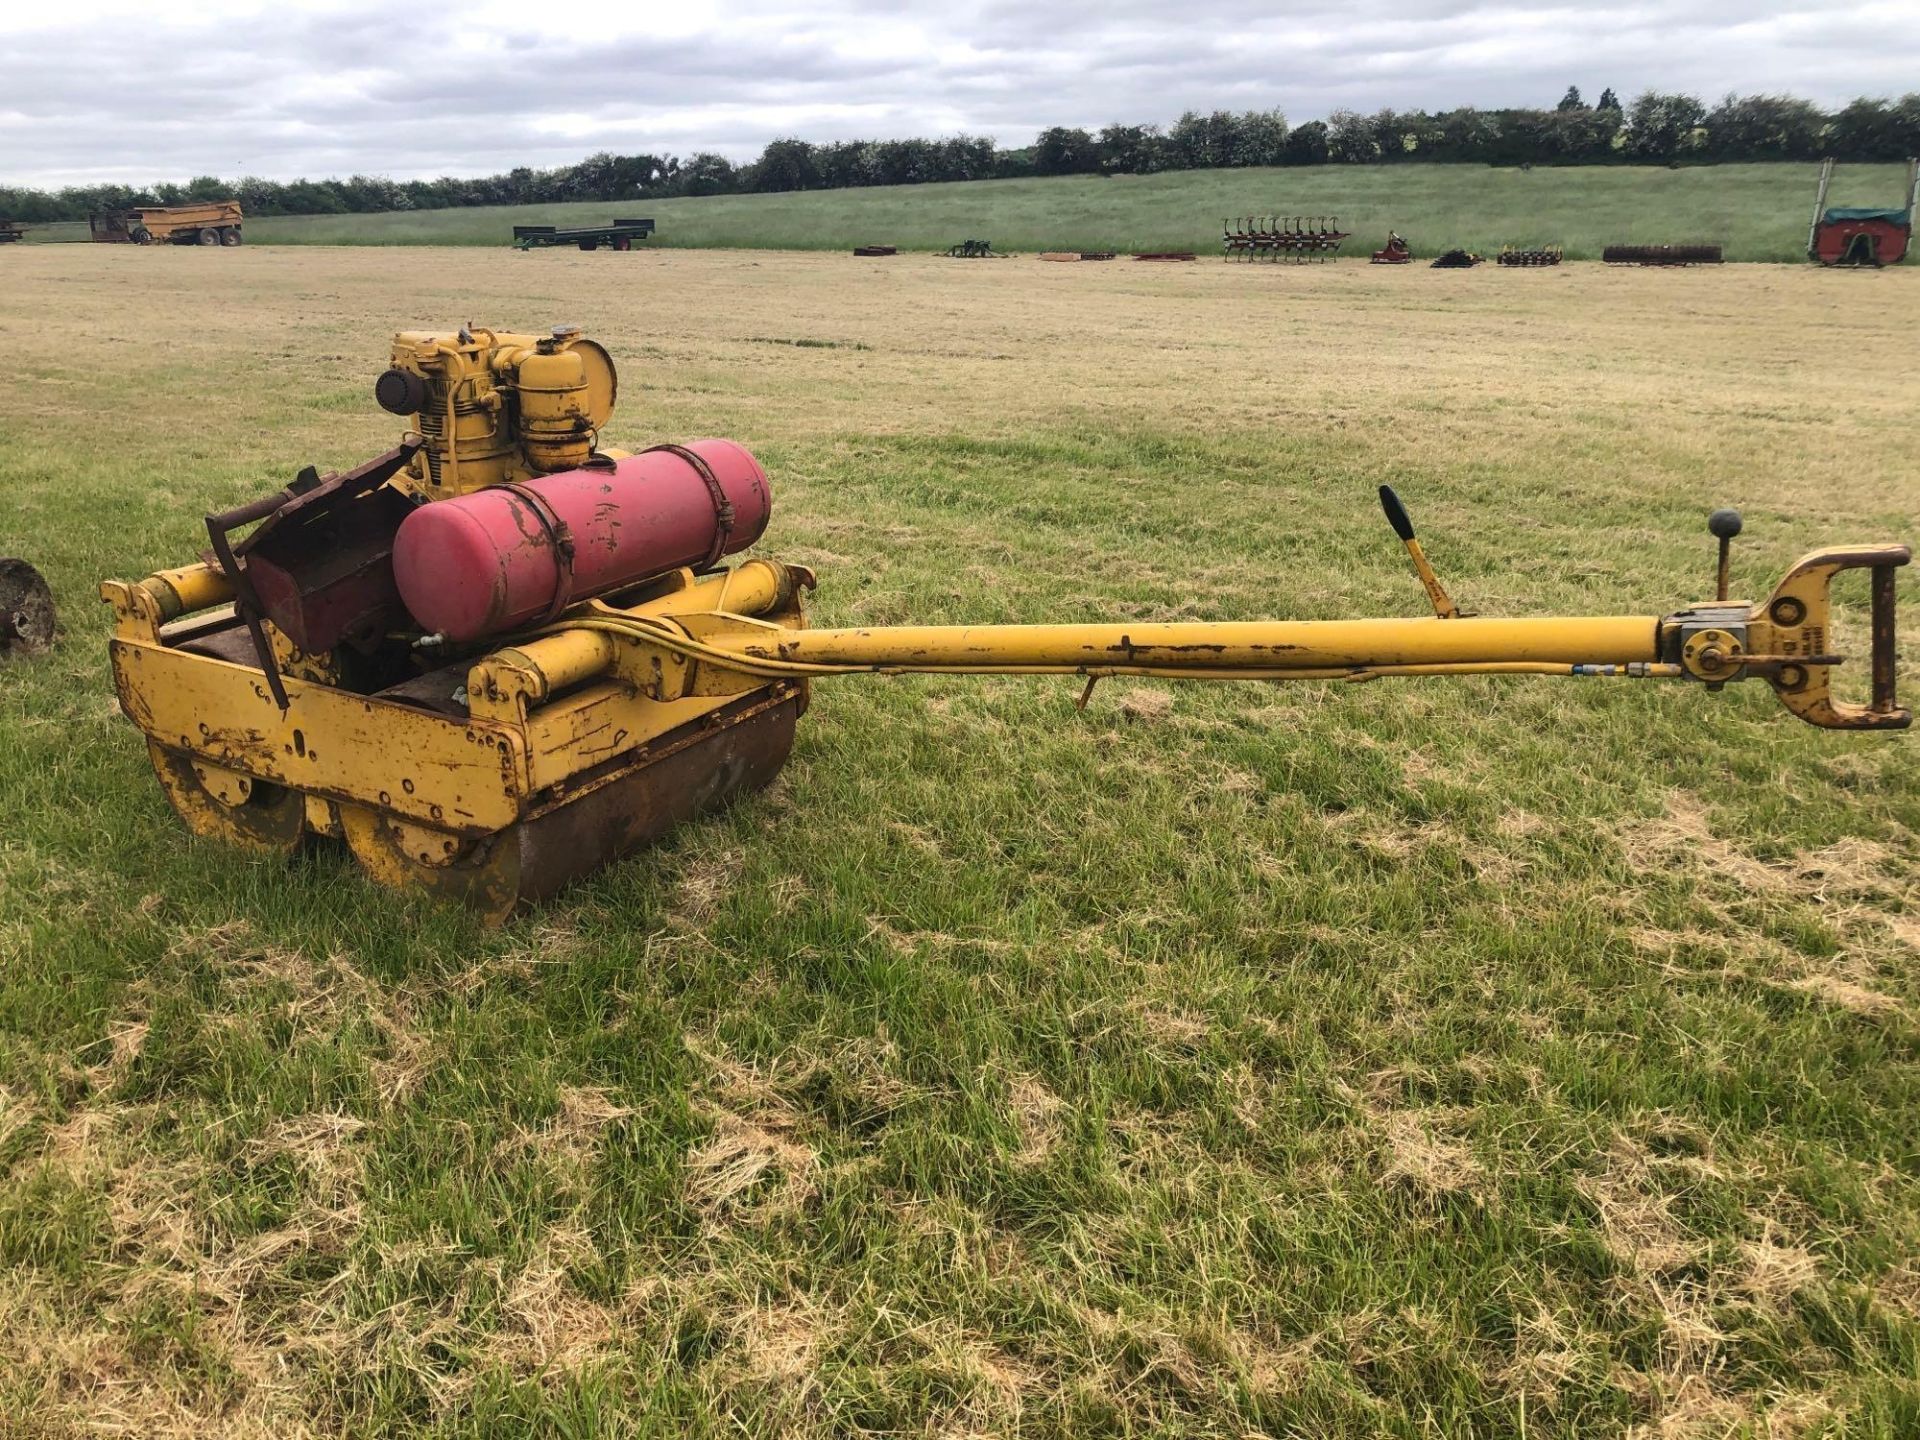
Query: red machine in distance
(1395, 252)
(1861, 234)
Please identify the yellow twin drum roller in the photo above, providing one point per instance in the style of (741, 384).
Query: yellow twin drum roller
(499, 655)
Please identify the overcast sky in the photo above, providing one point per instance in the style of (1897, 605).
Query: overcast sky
(94, 90)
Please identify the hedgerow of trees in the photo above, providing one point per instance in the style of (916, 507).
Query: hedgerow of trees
(1657, 128)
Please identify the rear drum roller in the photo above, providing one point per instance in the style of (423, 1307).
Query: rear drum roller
(607, 816)
(26, 611)
(482, 874)
(225, 805)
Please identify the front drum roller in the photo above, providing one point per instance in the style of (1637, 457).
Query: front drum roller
(599, 818)
(482, 874)
(225, 805)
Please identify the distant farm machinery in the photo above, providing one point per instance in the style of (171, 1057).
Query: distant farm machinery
(1862, 235)
(614, 235)
(1514, 256)
(200, 222)
(1661, 255)
(1398, 252)
(973, 250)
(1395, 252)
(1272, 237)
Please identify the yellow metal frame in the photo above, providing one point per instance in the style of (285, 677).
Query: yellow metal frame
(1790, 640)
(541, 714)
(606, 679)
(445, 804)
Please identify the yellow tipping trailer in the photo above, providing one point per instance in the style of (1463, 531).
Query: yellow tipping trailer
(204, 222)
(499, 655)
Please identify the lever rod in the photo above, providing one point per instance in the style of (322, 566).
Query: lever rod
(1402, 523)
(1257, 647)
(1723, 525)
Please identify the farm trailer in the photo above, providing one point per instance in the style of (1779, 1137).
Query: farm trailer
(209, 222)
(619, 235)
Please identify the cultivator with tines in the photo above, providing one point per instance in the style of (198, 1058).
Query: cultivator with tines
(1272, 237)
(498, 655)
(1512, 255)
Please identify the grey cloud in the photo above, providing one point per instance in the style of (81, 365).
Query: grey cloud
(385, 90)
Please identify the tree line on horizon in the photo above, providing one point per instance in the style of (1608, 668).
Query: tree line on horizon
(1656, 129)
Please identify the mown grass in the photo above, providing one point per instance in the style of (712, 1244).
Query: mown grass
(1757, 212)
(1477, 1058)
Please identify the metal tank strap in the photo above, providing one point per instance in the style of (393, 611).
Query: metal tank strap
(562, 541)
(722, 507)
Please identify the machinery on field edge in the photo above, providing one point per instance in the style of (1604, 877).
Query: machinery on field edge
(1269, 237)
(500, 654)
(199, 222)
(1857, 235)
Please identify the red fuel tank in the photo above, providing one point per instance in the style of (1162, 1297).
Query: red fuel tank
(511, 555)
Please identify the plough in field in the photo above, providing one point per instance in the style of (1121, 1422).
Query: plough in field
(1270, 237)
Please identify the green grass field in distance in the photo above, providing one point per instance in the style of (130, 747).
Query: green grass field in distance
(1757, 212)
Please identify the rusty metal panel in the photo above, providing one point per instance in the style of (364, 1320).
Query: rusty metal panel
(685, 775)
(469, 778)
(619, 807)
(599, 723)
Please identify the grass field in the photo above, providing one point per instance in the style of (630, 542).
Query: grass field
(1758, 212)
(1491, 1057)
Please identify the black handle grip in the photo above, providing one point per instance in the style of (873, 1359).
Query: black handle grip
(1396, 513)
(1884, 660)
